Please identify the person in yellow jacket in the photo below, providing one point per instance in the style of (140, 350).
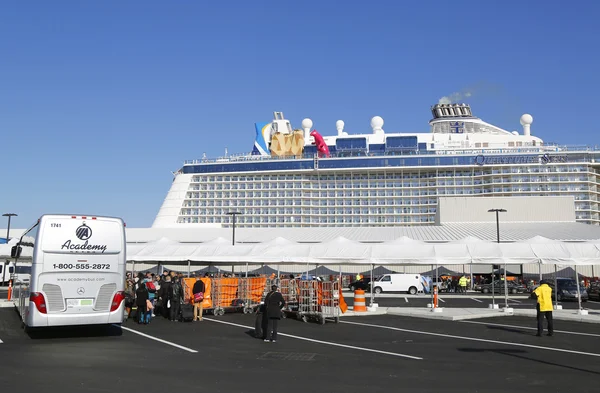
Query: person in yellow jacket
(462, 283)
(544, 308)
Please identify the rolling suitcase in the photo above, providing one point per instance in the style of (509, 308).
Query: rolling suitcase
(259, 322)
(187, 312)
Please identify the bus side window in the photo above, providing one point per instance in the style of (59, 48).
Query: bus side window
(11, 269)
(1, 267)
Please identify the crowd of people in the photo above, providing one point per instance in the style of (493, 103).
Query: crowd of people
(149, 295)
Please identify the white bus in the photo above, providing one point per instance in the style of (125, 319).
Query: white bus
(77, 271)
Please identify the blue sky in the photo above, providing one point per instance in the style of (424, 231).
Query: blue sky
(101, 100)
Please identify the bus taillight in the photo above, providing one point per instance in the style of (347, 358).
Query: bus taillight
(38, 299)
(117, 299)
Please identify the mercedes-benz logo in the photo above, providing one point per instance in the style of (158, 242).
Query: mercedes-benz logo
(83, 232)
(80, 290)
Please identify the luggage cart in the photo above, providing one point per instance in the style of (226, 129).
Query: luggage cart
(225, 295)
(317, 301)
(252, 293)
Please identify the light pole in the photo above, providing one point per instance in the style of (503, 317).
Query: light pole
(233, 215)
(498, 211)
(9, 215)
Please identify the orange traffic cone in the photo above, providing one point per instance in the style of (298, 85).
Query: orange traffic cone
(10, 290)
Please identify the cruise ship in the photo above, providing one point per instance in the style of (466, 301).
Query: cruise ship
(300, 178)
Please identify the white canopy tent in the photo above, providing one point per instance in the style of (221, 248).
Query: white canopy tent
(344, 251)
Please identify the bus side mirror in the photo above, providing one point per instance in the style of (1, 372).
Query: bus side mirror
(15, 251)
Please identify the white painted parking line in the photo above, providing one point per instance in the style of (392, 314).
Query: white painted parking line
(513, 300)
(158, 339)
(441, 300)
(322, 342)
(477, 300)
(531, 328)
(405, 299)
(593, 301)
(473, 339)
(1, 341)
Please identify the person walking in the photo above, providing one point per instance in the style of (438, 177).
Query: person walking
(544, 308)
(175, 298)
(198, 290)
(273, 304)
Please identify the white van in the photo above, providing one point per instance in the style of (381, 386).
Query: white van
(398, 282)
(7, 269)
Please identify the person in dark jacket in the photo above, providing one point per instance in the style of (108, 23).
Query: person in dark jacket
(274, 303)
(175, 298)
(141, 296)
(198, 288)
(164, 294)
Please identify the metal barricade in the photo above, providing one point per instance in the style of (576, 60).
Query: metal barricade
(311, 299)
(252, 292)
(225, 295)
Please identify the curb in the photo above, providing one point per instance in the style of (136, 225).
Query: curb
(6, 303)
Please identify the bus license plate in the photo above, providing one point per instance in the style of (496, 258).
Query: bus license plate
(79, 302)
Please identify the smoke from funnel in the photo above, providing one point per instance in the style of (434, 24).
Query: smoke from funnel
(455, 97)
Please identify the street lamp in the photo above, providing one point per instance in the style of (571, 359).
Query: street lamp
(233, 215)
(497, 211)
(9, 215)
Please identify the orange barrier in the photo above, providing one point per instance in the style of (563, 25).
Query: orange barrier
(226, 291)
(435, 296)
(256, 289)
(10, 290)
(189, 296)
(343, 305)
(359, 301)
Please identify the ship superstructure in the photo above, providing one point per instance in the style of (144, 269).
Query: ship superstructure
(377, 179)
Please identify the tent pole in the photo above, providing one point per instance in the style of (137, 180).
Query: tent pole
(372, 285)
(340, 276)
(505, 288)
(555, 286)
(189, 269)
(437, 277)
(431, 289)
(578, 292)
(133, 275)
(540, 267)
(493, 291)
(246, 269)
(470, 282)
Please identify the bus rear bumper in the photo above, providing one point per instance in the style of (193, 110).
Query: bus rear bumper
(37, 319)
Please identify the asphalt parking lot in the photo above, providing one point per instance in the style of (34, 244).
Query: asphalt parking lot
(374, 354)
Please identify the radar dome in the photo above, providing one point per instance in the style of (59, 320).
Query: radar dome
(307, 123)
(526, 119)
(339, 124)
(377, 122)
